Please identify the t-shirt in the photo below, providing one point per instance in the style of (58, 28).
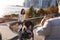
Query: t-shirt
(21, 17)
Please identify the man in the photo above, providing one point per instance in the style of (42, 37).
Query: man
(50, 29)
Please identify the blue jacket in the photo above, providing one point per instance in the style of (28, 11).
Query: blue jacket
(51, 29)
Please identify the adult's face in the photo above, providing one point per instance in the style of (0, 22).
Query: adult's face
(23, 12)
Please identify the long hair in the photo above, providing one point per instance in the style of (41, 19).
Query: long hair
(22, 11)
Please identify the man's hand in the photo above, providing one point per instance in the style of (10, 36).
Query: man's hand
(43, 20)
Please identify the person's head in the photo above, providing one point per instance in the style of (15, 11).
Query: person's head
(22, 11)
(29, 24)
(50, 15)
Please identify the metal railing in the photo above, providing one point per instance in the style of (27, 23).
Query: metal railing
(34, 18)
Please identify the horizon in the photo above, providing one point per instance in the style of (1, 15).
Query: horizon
(4, 3)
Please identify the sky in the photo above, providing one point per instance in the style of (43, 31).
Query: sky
(4, 3)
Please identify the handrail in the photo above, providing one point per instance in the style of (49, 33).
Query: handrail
(34, 18)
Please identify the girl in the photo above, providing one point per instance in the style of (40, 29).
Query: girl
(20, 21)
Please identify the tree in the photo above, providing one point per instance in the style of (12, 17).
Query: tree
(52, 9)
(41, 12)
(30, 12)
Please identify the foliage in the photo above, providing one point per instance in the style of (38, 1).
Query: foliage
(30, 12)
(11, 16)
(52, 9)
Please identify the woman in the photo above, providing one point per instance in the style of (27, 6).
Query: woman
(22, 16)
(20, 21)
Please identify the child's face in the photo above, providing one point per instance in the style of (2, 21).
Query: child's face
(30, 27)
